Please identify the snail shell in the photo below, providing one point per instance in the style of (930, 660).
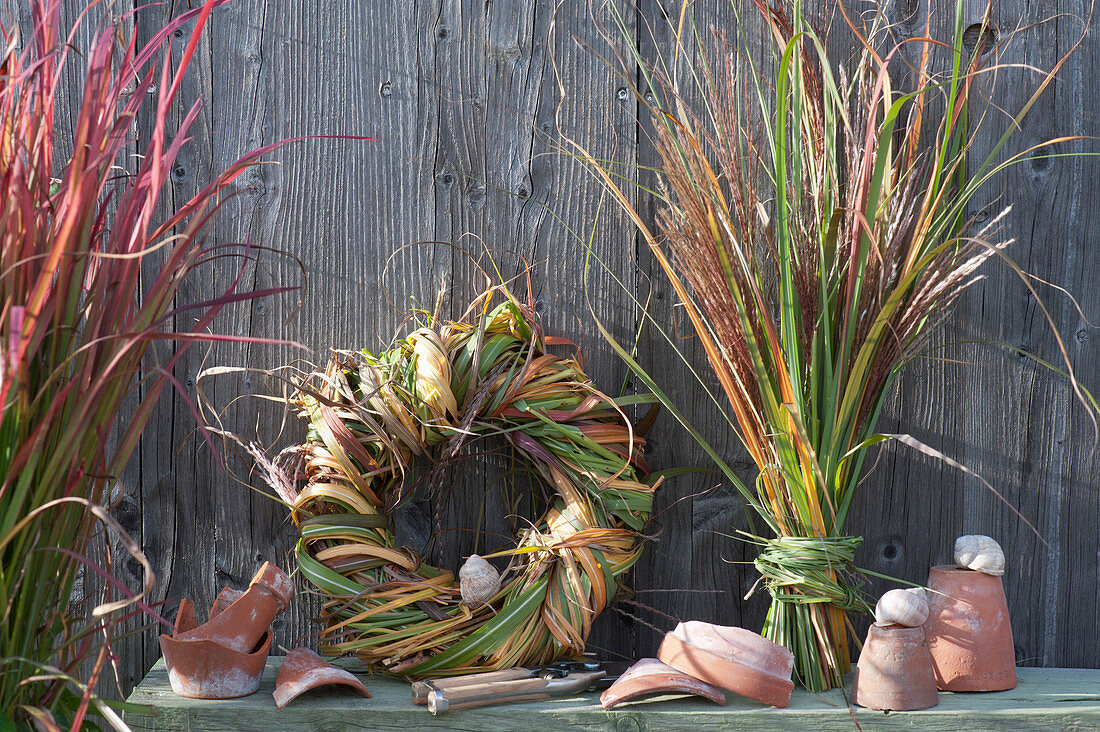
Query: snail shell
(979, 553)
(902, 607)
(478, 581)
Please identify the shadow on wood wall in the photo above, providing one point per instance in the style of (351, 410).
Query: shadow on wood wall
(464, 105)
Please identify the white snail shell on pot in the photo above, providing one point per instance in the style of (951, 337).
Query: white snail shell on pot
(980, 553)
(478, 581)
(902, 607)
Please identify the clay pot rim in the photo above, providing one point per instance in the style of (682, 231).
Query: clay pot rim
(273, 579)
(894, 627)
(204, 645)
(954, 568)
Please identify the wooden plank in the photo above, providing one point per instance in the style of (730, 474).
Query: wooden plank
(1044, 699)
(693, 569)
(996, 411)
(565, 224)
(907, 509)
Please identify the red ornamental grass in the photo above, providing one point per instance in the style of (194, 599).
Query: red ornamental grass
(76, 322)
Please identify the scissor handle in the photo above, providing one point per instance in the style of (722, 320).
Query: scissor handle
(487, 694)
(505, 692)
(421, 689)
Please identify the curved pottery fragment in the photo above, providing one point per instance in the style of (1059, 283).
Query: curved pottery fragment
(651, 676)
(969, 631)
(203, 669)
(303, 670)
(241, 625)
(224, 599)
(894, 672)
(733, 658)
(185, 617)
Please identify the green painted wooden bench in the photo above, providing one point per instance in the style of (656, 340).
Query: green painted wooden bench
(1044, 699)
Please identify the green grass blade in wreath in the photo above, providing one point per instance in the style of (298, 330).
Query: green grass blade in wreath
(372, 417)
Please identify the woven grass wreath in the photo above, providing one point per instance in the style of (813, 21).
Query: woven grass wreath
(371, 416)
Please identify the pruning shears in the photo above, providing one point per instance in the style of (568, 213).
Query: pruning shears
(509, 686)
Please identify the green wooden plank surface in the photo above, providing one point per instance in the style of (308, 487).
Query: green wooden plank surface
(1044, 699)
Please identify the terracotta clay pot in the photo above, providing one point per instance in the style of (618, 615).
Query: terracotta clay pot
(894, 672)
(733, 658)
(969, 632)
(241, 625)
(185, 617)
(203, 669)
(224, 599)
(651, 676)
(303, 670)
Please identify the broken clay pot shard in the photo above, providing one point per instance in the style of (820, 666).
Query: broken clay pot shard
(185, 617)
(735, 659)
(651, 676)
(303, 670)
(224, 599)
(241, 625)
(204, 669)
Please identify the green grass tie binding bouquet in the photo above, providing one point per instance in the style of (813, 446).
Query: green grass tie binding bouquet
(814, 225)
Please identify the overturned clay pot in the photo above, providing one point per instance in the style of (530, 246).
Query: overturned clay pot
(969, 632)
(733, 658)
(894, 672)
(651, 676)
(241, 625)
(203, 669)
(303, 670)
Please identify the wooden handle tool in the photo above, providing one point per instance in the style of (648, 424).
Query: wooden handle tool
(491, 693)
(421, 689)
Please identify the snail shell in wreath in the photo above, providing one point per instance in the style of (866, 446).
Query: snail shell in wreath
(478, 581)
(980, 553)
(902, 607)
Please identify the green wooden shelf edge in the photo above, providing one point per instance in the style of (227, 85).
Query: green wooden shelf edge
(1044, 699)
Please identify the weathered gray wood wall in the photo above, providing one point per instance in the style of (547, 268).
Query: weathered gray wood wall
(463, 99)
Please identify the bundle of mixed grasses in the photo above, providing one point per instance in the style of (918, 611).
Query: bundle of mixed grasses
(79, 310)
(814, 225)
(372, 418)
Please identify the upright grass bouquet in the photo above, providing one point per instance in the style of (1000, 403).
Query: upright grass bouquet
(81, 303)
(813, 222)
